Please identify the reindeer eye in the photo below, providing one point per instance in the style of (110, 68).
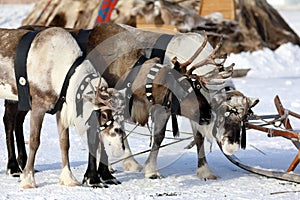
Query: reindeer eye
(103, 115)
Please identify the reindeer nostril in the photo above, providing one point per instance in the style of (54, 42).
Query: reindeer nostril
(117, 130)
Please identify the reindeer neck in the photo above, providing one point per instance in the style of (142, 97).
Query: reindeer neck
(84, 73)
(75, 107)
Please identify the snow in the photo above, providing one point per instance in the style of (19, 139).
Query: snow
(272, 73)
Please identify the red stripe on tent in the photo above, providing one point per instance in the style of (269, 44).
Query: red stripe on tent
(105, 11)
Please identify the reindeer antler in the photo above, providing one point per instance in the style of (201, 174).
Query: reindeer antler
(98, 87)
(102, 95)
(211, 59)
(191, 59)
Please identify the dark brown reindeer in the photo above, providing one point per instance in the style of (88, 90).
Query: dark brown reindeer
(48, 62)
(131, 44)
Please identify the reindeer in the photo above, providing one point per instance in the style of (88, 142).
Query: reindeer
(48, 63)
(196, 57)
(131, 44)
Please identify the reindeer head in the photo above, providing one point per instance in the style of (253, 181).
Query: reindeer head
(110, 104)
(231, 110)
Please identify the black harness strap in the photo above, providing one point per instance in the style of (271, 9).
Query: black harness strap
(20, 65)
(160, 46)
(127, 83)
(63, 92)
(82, 39)
(159, 50)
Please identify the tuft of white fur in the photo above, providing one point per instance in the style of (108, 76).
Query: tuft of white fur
(27, 181)
(229, 148)
(6, 92)
(205, 172)
(113, 144)
(67, 178)
(207, 129)
(131, 165)
(151, 170)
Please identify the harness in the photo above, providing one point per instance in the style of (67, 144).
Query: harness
(158, 50)
(179, 87)
(20, 65)
(127, 83)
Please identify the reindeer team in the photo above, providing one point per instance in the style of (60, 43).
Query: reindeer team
(124, 74)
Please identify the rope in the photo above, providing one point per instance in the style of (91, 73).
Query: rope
(130, 132)
(149, 135)
(272, 122)
(148, 150)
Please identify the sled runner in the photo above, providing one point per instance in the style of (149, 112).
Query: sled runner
(285, 130)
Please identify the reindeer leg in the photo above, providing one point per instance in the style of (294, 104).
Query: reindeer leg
(91, 175)
(66, 177)
(203, 170)
(36, 119)
(22, 155)
(11, 109)
(130, 164)
(103, 169)
(160, 118)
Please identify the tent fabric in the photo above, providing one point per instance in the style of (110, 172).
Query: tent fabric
(105, 11)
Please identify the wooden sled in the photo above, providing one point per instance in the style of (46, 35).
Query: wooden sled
(286, 131)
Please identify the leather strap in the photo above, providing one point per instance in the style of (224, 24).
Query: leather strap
(82, 40)
(160, 46)
(20, 65)
(127, 83)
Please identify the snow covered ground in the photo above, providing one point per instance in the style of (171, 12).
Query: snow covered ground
(272, 73)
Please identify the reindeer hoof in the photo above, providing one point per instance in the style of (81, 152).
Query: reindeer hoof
(112, 181)
(66, 178)
(211, 177)
(132, 166)
(156, 176)
(205, 173)
(27, 180)
(13, 169)
(111, 169)
(29, 186)
(92, 184)
(12, 173)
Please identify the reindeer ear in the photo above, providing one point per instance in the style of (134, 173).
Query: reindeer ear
(252, 102)
(217, 100)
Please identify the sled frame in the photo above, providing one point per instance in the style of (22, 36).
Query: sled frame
(288, 132)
